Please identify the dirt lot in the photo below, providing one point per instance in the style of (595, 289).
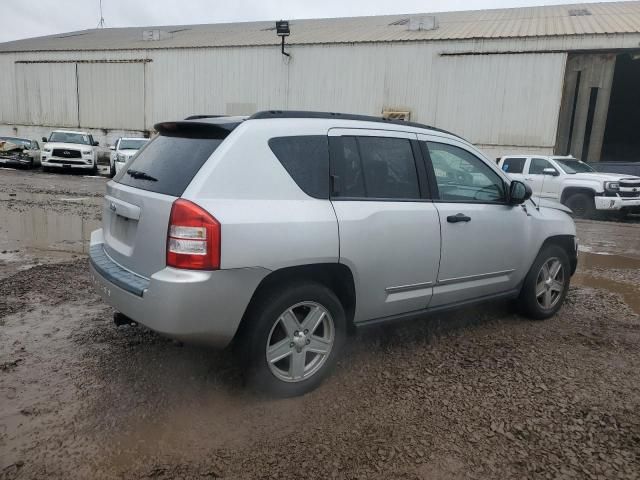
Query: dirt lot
(483, 393)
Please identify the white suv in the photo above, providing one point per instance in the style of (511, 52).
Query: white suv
(284, 231)
(575, 183)
(69, 149)
(122, 151)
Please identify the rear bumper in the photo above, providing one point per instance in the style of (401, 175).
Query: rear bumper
(194, 306)
(616, 203)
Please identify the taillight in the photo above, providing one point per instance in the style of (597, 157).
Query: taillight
(193, 239)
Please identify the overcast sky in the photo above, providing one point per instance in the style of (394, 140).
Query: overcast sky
(33, 18)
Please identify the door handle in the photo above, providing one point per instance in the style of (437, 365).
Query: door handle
(529, 179)
(460, 217)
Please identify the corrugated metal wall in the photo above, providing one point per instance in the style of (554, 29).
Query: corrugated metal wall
(508, 100)
(111, 95)
(46, 93)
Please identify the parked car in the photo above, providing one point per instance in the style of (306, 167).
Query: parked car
(122, 151)
(575, 183)
(284, 231)
(69, 149)
(19, 152)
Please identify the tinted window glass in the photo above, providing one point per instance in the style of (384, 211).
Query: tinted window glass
(376, 167)
(306, 159)
(537, 166)
(347, 168)
(168, 164)
(463, 177)
(513, 165)
(389, 167)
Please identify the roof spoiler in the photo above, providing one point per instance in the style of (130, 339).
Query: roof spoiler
(192, 129)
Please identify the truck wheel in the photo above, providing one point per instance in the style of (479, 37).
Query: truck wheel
(112, 170)
(581, 204)
(546, 285)
(292, 338)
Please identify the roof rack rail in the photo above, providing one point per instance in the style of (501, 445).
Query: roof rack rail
(342, 116)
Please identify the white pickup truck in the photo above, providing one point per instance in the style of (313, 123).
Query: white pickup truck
(574, 183)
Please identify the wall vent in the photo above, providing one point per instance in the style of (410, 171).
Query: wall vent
(579, 12)
(150, 35)
(393, 114)
(402, 21)
(423, 22)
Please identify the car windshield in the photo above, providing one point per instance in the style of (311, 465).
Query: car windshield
(574, 166)
(130, 144)
(17, 141)
(68, 137)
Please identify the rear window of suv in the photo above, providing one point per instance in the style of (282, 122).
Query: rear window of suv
(168, 163)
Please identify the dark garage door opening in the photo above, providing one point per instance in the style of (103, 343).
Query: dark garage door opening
(622, 133)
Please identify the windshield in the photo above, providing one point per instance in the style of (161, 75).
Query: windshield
(17, 141)
(574, 166)
(68, 137)
(132, 144)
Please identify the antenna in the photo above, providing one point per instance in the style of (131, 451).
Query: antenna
(101, 22)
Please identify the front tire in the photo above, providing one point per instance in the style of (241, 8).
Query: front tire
(112, 170)
(546, 285)
(581, 204)
(292, 338)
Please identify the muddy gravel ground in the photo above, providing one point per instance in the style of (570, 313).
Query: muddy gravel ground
(482, 393)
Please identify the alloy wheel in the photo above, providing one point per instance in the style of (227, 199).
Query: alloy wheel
(550, 283)
(300, 341)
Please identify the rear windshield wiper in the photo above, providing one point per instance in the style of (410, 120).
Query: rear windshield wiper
(138, 175)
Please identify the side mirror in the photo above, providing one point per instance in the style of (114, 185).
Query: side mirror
(95, 144)
(550, 171)
(519, 192)
(44, 139)
(112, 147)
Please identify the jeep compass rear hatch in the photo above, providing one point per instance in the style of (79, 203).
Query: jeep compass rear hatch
(138, 202)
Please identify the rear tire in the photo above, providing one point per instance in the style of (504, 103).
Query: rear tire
(286, 331)
(546, 285)
(112, 170)
(581, 204)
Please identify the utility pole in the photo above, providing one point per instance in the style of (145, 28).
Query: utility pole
(101, 22)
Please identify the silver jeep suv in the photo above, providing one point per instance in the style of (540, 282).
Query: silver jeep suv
(283, 231)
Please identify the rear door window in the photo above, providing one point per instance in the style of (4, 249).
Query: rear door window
(513, 165)
(375, 167)
(167, 164)
(306, 159)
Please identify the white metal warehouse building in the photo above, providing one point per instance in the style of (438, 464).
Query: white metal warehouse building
(563, 79)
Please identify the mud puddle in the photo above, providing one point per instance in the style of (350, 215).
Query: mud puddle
(590, 263)
(38, 228)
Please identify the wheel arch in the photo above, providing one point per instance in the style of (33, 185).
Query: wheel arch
(567, 243)
(569, 191)
(335, 276)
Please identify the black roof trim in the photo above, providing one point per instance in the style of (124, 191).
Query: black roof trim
(340, 116)
(195, 129)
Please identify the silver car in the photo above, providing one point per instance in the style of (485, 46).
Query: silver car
(284, 231)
